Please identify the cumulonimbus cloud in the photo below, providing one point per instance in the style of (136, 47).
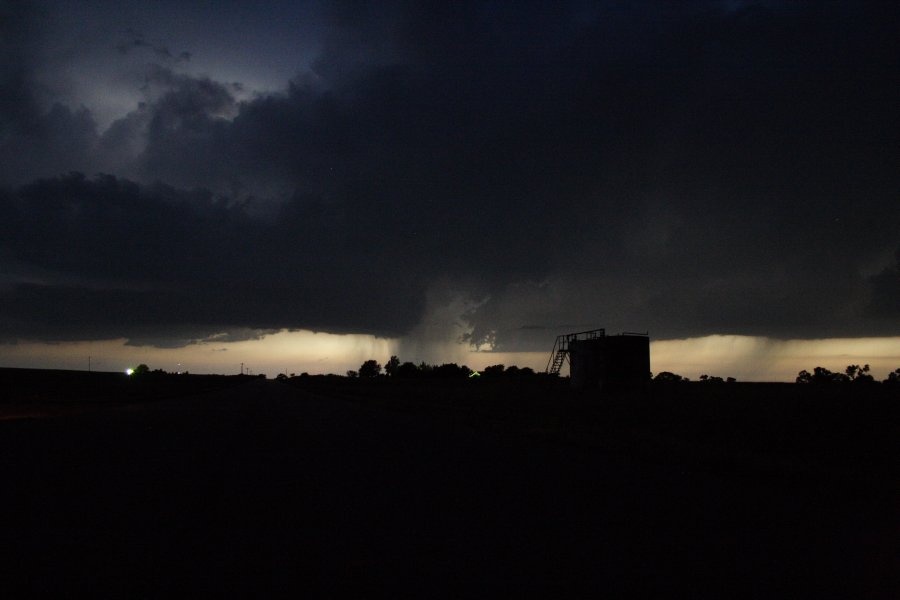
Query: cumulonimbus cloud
(685, 170)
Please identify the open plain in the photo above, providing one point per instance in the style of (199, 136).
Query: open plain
(446, 489)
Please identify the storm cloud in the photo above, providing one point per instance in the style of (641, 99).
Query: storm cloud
(685, 169)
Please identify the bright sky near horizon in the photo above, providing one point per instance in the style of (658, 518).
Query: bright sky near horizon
(743, 357)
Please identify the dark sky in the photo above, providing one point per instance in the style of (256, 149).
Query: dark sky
(686, 168)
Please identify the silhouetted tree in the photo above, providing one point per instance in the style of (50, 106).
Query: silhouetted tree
(451, 371)
(821, 375)
(369, 369)
(668, 377)
(391, 367)
(352, 374)
(493, 371)
(711, 379)
(141, 369)
(407, 371)
(858, 374)
(893, 377)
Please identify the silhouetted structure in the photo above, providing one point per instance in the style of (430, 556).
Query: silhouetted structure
(597, 360)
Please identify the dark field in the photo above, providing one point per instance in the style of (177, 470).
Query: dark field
(200, 484)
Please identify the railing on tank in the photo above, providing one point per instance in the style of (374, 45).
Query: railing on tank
(560, 352)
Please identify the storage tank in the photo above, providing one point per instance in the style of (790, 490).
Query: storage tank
(609, 362)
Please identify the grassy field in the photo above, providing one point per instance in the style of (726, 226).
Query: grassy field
(447, 488)
(778, 429)
(41, 392)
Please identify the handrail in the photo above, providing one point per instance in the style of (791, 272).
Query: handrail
(597, 333)
(556, 347)
(561, 347)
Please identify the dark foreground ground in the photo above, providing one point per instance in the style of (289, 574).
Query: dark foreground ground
(260, 487)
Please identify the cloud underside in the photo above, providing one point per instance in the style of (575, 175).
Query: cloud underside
(683, 171)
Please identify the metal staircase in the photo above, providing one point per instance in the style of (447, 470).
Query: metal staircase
(558, 355)
(560, 352)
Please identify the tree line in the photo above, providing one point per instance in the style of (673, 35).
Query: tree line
(394, 369)
(820, 375)
(669, 377)
(372, 369)
(852, 374)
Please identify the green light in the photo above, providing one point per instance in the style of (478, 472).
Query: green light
(129, 371)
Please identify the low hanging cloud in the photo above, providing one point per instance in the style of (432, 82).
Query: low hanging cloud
(109, 258)
(688, 170)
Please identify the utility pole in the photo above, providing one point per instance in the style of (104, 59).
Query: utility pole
(89, 363)
(242, 368)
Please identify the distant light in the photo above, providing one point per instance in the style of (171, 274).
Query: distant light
(129, 371)
(474, 374)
